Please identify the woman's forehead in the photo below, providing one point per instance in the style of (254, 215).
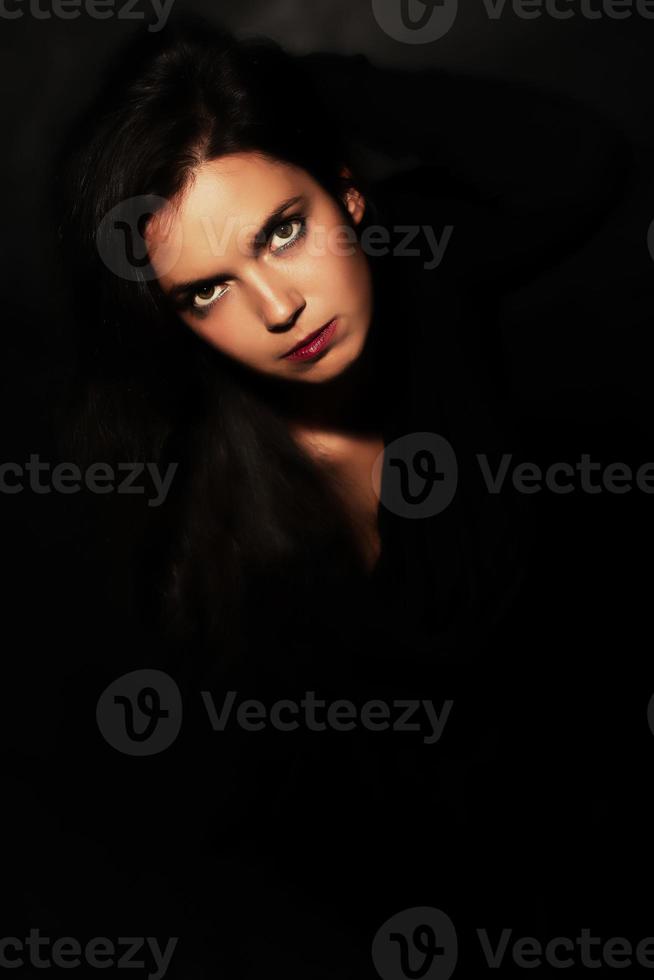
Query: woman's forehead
(214, 223)
(239, 189)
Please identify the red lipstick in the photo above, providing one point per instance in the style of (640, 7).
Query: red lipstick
(313, 344)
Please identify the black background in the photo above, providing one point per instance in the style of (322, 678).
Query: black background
(566, 800)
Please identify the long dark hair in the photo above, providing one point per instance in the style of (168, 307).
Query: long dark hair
(250, 530)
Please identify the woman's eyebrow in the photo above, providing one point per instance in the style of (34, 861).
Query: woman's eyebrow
(255, 244)
(257, 241)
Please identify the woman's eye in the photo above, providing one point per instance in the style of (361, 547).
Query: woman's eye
(286, 234)
(206, 296)
(289, 232)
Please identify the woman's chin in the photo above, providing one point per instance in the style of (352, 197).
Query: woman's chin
(340, 359)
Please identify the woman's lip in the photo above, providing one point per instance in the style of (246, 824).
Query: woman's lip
(303, 348)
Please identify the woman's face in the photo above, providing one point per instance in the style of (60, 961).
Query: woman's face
(264, 259)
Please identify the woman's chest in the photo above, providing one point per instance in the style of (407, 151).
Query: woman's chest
(354, 466)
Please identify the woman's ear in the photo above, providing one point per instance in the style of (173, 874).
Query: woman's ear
(353, 199)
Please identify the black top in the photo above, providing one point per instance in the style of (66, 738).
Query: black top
(521, 179)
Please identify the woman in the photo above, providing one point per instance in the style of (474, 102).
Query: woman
(214, 219)
(277, 481)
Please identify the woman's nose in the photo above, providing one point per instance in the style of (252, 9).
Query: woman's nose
(284, 322)
(281, 313)
(279, 303)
